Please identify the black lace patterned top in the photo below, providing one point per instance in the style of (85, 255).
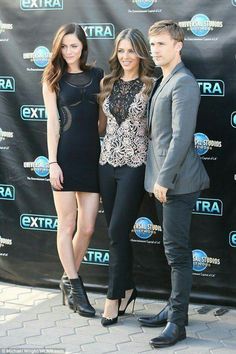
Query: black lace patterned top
(125, 142)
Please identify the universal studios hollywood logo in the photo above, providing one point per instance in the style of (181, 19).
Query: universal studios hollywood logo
(144, 6)
(40, 57)
(3, 28)
(39, 166)
(200, 25)
(4, 137)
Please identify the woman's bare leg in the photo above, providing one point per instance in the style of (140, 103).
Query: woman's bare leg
(66, 207)
(87, 212)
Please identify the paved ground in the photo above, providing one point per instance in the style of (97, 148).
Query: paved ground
(33, 320)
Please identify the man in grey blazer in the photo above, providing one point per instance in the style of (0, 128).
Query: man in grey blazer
(174, 172)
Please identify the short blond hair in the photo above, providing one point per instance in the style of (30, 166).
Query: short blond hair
(169, 26)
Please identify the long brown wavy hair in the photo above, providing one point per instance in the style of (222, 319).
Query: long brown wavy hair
(57, 65)
(146, 65)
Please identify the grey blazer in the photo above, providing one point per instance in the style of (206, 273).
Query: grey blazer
(172, 113)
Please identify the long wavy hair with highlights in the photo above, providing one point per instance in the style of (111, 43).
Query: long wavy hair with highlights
(146, 65)
(57, 65)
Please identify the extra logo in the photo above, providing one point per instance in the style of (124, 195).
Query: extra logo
(34, 113)
(210, 87)
(38, 222)
(27, 5)
(208, 206)
(201, 261)
(40, 57)
(40, 166)
(99, 30)
(232, 238)
(203, 144)
(200, 25)
(97, 257)
(7, 84)
(7, 192)
(233, 119)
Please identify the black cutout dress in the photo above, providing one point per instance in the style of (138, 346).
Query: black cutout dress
(79, 145)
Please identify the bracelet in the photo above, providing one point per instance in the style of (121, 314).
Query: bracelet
(50, 163)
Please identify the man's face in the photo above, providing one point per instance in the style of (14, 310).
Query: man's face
(164, 49)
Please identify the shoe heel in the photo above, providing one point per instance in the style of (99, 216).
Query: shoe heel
(65, 287)
(133, 306)
(132, 298)
(63, 298)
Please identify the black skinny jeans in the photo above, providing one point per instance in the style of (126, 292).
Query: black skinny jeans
(122, 191)
(175, 217)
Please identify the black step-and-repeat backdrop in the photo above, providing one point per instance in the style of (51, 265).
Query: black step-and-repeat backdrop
(28, 220)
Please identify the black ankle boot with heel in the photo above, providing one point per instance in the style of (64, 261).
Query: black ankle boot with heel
(80, 299)
(132, 298)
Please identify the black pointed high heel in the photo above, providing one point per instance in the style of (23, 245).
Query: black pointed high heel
(80, 299)
(133, 297)
(110, 321)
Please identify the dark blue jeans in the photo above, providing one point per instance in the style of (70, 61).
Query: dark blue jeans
(122, 192)
(175, 217)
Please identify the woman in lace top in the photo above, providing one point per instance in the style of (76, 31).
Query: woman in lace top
(124, 97)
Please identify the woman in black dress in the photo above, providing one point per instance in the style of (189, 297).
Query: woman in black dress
(70, 89)
(124, 98)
